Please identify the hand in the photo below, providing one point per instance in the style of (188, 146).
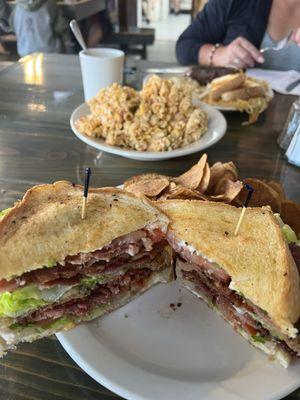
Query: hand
(296, 36)
(240, 53)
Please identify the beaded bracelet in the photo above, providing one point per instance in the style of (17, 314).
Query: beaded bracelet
(212, 53)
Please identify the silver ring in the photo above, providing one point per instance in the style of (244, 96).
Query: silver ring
(237, 61)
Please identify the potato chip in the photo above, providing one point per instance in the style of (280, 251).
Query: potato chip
(150, 185)
(217, 183)
(218, 198)
(278, 188)
(290, 214)
(219, 171)
(138, 178)
(205, 179)
(183, 193)
(263, 195)
(192, 178)
(228, 189)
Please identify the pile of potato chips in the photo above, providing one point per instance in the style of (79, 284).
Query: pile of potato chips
(218, 182)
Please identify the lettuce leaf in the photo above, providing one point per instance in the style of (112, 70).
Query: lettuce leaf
(25, 299)
(57, 324)
(93, 280)
(31, 297)
(28, 298)
(20, 301)
(288, 233)
(258, 338)
(51, 263)
(4, 212)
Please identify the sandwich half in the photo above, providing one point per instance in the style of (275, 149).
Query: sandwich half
(250, 279)
(57, 270)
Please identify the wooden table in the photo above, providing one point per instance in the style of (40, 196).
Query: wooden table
(37, 96)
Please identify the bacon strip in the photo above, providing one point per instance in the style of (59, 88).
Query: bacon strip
(101, 295)
(134, 246)
(233, 307)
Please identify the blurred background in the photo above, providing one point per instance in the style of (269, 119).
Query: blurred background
(144, 29)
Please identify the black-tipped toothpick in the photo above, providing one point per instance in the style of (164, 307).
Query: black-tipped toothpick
(87, 177)
(250, 192)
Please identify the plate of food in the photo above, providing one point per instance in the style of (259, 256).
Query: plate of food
(161, 121)
(238, 92)
(157, 339)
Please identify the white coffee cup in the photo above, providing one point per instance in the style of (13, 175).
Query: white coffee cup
(100, 68)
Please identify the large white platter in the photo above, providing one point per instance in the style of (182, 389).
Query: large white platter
(147, 351)
(216, 129)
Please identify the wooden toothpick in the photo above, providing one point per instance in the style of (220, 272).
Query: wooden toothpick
(250, 192)
(85, 191)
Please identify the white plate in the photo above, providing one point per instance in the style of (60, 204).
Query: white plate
(216, 129)
(187, 354)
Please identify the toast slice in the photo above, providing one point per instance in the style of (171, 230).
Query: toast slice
(244, 93)
(225, 84)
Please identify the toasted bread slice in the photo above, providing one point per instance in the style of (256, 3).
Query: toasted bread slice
(258, 260)
(225, 84)
(46, 225)
(243, 93)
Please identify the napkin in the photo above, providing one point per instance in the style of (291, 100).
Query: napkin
(278, 80)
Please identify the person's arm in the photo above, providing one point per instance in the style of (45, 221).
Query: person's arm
(197, 43)
(208, 28)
